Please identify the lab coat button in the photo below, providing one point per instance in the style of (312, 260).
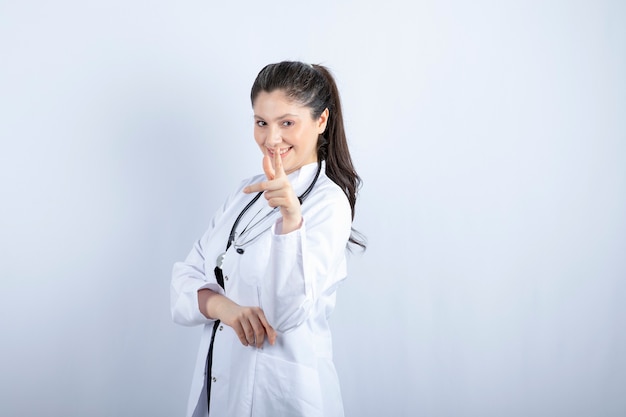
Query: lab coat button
(221, 328)
(214, 379)
(226, 277)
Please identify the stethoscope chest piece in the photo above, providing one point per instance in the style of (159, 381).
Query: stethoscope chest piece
(220, 260)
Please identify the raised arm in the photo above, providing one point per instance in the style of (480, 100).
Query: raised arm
(307, 263)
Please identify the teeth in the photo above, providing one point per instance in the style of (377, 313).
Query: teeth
(282, 151)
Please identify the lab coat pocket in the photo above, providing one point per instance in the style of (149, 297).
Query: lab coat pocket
(253, 260)
(284, 388)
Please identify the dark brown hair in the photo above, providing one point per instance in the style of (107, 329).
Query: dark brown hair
(313, 86)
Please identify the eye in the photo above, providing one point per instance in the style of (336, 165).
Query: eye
(288, 123)
(260, 123)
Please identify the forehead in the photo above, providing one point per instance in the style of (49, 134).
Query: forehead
(277, 101)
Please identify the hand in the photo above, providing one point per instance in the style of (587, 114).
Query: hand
(249, 323)
(279, 192)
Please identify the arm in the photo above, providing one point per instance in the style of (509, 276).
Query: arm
(188, 277)
(307, 257)
(197, 299)
(307, 263)
(249, 323)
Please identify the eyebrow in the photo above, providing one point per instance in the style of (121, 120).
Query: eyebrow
(279, 117)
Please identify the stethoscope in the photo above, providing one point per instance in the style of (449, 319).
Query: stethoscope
(231, 237)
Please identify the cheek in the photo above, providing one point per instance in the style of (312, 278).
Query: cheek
(300, 137)
(258, 138)
(308, 139)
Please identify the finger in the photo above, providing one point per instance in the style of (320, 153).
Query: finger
(271, 192)
(278, 202)
(267, 167)
(241, 335)
(259, 333)
(249, 332)
(278, 163)
(255, 188)
(269, 330)
(270, 186)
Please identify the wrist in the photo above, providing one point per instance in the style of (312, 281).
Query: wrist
(210, 303)
(288, 225)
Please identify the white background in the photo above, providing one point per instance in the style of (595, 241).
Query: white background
(491, 138)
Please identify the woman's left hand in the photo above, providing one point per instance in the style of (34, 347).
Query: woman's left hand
(279, 193)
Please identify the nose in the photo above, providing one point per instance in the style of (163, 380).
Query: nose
(273, 137)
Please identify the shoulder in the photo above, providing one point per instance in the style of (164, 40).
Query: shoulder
(330, 189)
(327, 195)
(327, 211)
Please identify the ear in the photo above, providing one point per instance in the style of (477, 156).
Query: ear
(322, 121)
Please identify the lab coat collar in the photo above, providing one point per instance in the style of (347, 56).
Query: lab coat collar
(301, 179)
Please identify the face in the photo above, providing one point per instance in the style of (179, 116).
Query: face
(281, 125)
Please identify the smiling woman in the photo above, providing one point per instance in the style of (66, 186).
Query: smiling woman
(281, 123)
(264, 276)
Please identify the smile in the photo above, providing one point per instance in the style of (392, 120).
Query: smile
(282, 151)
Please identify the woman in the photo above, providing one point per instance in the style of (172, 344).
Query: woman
(262, 279)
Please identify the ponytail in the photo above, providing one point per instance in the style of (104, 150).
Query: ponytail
(339, 166)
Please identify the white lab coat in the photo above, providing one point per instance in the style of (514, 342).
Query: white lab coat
(293, 278)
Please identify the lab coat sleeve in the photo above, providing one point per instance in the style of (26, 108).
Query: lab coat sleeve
(306, 263)
(190, 276)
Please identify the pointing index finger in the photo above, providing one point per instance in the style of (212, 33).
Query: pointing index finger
(267, 167)
(278, 163)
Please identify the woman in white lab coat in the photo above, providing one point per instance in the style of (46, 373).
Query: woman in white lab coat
(263, 277)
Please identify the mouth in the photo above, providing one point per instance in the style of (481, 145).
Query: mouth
(283, 151)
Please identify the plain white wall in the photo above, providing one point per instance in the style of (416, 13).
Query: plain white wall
(491, 139)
